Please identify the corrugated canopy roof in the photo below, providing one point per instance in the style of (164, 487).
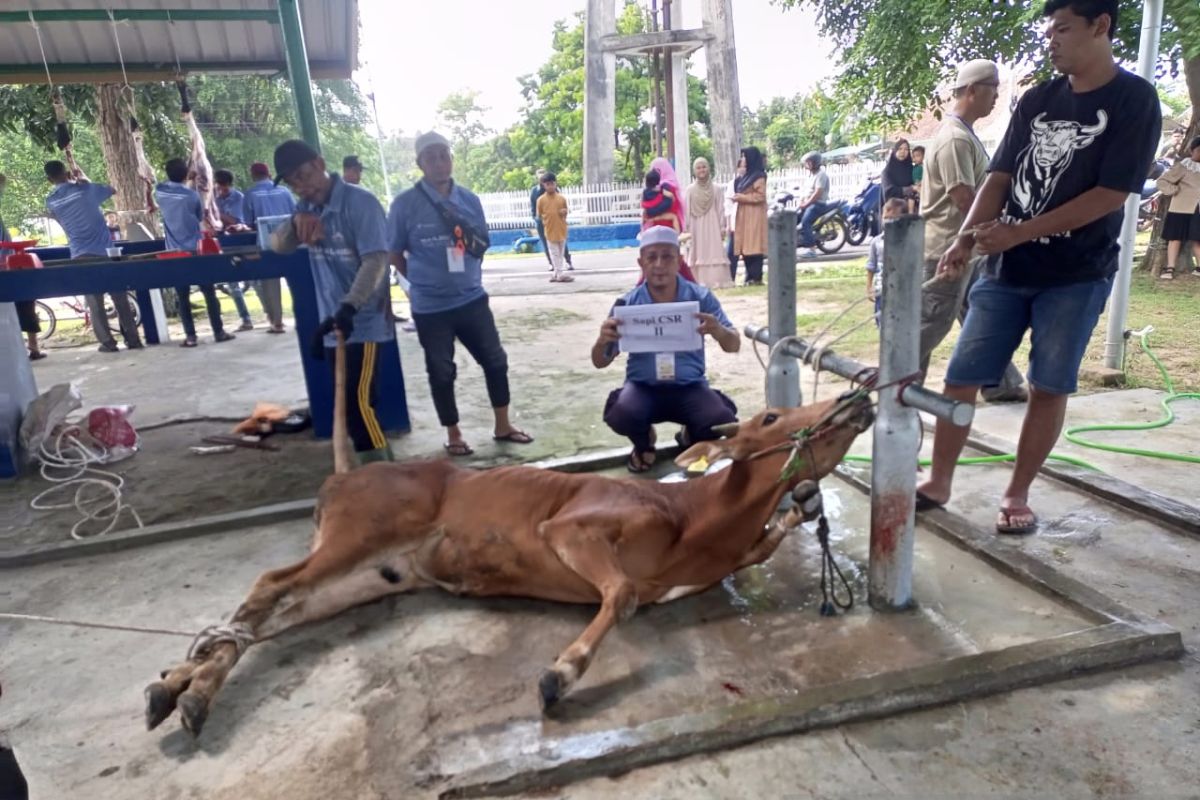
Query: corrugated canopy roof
(80, 38)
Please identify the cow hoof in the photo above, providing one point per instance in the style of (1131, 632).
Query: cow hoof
(193, 711)
(159, 705)
(550, 689)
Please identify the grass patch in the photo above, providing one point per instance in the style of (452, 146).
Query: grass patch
(538, 319)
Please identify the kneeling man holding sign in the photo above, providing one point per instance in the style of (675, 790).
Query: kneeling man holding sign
(661, 325)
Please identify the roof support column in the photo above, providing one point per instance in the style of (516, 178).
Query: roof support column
(297, 62)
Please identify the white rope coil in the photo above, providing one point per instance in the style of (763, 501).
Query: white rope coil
(67, 462)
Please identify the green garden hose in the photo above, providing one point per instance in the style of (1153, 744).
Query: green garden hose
(1072, 434)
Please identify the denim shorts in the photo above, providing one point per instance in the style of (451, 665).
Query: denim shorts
(1060, 320)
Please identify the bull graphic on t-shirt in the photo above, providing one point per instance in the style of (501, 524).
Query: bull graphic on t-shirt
(1048, 155)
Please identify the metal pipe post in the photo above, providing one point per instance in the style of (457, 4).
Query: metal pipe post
(297, 63)
(897, 426)
(1118, 307)
(912, 395)
(783, 372)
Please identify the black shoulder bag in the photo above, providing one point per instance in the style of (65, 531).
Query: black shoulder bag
(474, 241)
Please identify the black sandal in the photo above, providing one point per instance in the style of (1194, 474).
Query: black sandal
(636, 463)
(1167, 274)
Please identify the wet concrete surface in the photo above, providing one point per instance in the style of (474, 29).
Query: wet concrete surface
(395, 696)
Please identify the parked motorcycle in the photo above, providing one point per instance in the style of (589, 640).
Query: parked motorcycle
(862, 214)
(829, 229)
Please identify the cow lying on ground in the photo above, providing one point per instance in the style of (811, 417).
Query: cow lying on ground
(526, 532)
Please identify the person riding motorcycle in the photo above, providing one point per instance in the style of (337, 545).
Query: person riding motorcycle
(815, 202)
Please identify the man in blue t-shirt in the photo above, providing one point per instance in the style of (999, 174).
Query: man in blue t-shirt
(265, 199)
(182, 212)
(230, 205)
(75, 205)
(446, 288)
(1048, 218)
(343, 227)
(665, 387)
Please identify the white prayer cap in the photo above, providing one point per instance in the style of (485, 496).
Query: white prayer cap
(978, 71)
(429, 139)
(658, 234)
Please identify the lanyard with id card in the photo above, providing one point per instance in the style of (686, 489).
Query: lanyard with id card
(664, 367)
(456, 252)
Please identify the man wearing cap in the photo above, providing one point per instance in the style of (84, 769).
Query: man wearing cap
(265, 199)
(665, 387)
(343, 226)
(955, 167)
(352, 170)
(428, 243)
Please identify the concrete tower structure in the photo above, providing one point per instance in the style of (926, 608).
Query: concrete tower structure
(602, 45)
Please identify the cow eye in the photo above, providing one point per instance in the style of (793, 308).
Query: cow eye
(769, 419)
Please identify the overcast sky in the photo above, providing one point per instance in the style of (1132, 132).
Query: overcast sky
(416, 53)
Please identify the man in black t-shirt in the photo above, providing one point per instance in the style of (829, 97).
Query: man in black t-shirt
(1048, 217)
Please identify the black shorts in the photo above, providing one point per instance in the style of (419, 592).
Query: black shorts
(27, 316)
(1182, 227)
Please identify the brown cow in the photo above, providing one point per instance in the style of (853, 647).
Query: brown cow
(526, 532)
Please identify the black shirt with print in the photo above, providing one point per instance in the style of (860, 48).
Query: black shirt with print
(1059, 144)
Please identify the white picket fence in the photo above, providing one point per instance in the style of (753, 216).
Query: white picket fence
(609, 203)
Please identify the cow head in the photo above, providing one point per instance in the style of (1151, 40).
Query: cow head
(822, 431)
(1054, 142)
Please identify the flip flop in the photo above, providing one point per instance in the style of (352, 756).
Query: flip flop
(188, 343)
(636, 464)
(276, 330)
(515, 436)
(38, 356)
(458, 448)
(1004, 522)
(926, 503)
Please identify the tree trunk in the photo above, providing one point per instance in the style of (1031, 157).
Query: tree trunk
(116, 142)
(1156, 255)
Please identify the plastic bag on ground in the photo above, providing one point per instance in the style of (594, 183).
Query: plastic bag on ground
(45, 413)
(110, 426)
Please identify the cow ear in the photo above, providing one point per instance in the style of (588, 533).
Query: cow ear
(710, 451)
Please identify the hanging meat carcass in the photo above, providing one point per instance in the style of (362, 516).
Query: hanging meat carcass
(62, 136)
(200, 171)
(144, 170)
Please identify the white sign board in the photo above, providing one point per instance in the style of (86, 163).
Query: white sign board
(659, 327)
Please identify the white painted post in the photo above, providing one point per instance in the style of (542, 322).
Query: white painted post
(897, 427)
(1118, 308)
(17, 389)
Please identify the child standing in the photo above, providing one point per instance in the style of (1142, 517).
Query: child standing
(552, 211)
(891, 210)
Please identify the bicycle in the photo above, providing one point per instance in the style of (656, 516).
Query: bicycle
(48, 319)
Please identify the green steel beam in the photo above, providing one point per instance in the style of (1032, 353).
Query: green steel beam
(298, 76)
(143, 15)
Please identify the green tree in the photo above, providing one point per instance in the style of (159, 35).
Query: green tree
(896, 54)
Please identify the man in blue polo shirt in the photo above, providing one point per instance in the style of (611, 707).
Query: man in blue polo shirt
(344, 228)
(665, 387)
(448, 300)
(75, 205)
(265, 199)
(181, 214)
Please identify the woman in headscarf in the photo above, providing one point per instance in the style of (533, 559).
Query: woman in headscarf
(706, 221)
(898, 174)
(750, 228)
(670, 208)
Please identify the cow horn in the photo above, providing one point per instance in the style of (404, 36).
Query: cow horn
(1037, 124)
(725, 429)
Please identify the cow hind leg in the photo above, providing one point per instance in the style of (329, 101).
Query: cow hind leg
(314, 589)
(592, 557)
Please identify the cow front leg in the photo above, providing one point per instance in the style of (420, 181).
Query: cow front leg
(587, 551)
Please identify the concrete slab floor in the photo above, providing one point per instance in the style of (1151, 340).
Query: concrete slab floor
(372, 703)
